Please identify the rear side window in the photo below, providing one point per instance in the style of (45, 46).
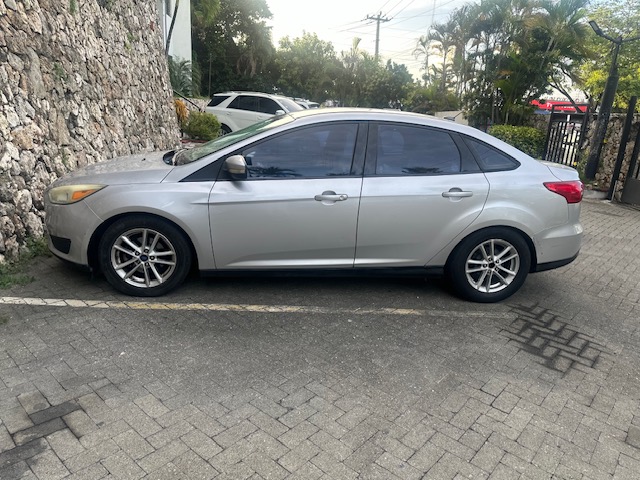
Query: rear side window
(217, 100)
(489, 158)
(408, 150)
(245, 102)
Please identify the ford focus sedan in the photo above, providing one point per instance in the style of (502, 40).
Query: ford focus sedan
(348, 191)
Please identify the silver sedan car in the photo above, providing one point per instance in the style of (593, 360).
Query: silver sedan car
(345, 190)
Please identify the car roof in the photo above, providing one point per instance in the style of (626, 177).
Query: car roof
(384, 115)
(240, 92)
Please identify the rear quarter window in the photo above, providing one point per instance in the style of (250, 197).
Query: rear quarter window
(217, 100)
(489, 158)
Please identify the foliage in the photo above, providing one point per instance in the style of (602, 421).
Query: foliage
(429, 100)
(232, 45)
(615, 18)
(498, 55)
(305, 67)
(528, 139)
(13, 272)
(182, 112)
(202, 126)
(180, 76)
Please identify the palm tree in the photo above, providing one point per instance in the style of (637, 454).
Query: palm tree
(423, 48)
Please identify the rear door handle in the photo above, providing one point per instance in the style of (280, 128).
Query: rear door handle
(456, 193)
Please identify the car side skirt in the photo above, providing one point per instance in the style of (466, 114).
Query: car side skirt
(331, 272)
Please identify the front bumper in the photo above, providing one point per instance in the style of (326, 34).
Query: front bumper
(70, 228)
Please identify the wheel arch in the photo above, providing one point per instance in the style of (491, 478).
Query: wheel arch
(525, 237)
(94, 243)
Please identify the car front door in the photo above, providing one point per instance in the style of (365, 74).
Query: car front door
(298, 206)
(421, 189)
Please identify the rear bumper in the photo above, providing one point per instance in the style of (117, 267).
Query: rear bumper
(557, 246)
(541, 267)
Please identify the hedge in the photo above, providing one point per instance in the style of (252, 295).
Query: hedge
(528, 139)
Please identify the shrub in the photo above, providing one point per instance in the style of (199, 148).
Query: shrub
(182, 112)
(528, 139)
(202, 126)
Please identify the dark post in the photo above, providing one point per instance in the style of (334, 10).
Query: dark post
(606, 103)
(626, 131)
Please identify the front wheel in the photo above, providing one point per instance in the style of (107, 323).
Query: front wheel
(489, 265)
(144, 256)
(224, 130)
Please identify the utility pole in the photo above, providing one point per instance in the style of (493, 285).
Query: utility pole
(606, 101)
(379, 18)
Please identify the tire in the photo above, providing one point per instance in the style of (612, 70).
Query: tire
(224, 130)
(489, 265)
(144, 256)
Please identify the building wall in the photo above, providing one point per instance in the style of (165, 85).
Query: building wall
(180, 47)
(81, 81)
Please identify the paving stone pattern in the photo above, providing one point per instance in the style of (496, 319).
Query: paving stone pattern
(542, 386)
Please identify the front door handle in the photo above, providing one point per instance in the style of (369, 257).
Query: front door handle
(456, 193)
(331, 197)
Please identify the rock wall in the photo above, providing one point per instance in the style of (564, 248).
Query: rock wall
(609, 154)
(81, 81)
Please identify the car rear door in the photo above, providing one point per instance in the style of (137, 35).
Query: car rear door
(421, 189)
(245, 111)
(298, 207)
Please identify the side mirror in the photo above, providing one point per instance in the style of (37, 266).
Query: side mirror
(280, 112)
(236, 166)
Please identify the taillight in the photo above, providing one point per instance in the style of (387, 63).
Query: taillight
(571, 191)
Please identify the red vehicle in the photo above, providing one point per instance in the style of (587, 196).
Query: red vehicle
(560, 106)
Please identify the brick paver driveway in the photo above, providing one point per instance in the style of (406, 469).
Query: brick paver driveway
(328, 378)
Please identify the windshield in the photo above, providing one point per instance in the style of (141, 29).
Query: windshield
(290, 105)
(186, 156)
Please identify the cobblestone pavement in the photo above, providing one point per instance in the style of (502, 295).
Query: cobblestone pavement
(328, 378)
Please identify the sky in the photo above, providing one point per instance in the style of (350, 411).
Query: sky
(339, 21)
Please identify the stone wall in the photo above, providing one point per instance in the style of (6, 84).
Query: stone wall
(81, 81)
(609, 153)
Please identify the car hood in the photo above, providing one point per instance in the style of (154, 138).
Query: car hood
(147, 167)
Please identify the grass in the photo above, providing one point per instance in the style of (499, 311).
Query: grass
(13, 273)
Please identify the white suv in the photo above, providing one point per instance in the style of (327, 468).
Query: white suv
(237, 110)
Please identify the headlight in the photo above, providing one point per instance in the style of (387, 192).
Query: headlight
(72, 193)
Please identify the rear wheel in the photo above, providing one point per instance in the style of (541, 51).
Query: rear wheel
(144, 256)
(224, 130)
(489, 265)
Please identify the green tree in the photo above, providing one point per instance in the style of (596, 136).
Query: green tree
(232, 45)
(306, 67)
(616, 18)
(504, 53)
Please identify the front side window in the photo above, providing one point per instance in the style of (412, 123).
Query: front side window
(266, 105)
(319, 151)
(245, 102)
(409, 150)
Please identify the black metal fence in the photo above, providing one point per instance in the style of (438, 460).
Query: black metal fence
(564, 134)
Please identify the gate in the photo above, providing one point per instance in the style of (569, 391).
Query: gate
(631, 190)
(566, 130)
